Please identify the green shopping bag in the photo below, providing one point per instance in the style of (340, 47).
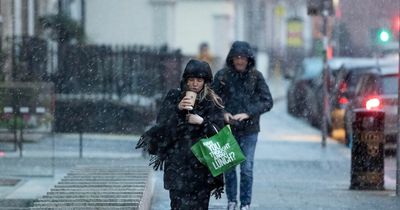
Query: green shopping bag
(220, 152)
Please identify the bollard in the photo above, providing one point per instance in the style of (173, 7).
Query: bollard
(367, 152)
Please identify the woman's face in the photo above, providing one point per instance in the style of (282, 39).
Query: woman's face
(195, 84)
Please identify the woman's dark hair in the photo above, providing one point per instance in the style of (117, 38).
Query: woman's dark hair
(198, 69)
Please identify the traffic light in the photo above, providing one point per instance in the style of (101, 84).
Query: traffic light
(396, 26)
(315, 7)
(381, 36)
(384, 35)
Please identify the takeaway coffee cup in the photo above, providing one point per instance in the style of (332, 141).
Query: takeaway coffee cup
(192, 96)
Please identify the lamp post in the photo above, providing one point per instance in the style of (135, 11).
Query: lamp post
(325, 74)
(324, 8)
(398, 131)
(1, 33)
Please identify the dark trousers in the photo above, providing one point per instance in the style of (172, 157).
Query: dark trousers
(181, 200)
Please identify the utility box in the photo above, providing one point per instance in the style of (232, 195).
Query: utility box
(367, 152)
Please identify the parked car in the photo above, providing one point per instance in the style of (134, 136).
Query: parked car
(346, 79)
(377, 91)
(301, 91)
(343, 73)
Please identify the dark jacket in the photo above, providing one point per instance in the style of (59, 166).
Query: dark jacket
(243, 92)
(182, 171)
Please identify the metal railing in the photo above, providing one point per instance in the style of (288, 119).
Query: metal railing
(129, 79)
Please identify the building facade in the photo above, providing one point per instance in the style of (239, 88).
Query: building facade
(20, 18)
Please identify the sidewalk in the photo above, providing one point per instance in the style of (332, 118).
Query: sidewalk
(293, 171)
(278, 87)
(40, 169)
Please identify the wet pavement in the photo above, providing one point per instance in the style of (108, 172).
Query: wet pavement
(291, 171)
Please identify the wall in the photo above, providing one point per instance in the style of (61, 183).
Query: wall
(119, 22)
(204, 21)
(180, 24)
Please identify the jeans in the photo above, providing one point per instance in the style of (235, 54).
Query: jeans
(248, 145)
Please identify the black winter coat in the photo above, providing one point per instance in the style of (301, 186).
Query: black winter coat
(243, 92)
(182, 170)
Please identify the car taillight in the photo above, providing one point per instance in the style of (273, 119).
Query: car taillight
(343, 100)
(372, 103)
(343, 87)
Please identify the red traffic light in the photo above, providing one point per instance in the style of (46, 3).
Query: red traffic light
(396, 25)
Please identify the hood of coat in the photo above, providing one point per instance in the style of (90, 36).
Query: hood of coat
(240, 48)
(196, 69)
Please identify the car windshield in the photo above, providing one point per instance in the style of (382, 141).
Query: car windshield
(312, 67)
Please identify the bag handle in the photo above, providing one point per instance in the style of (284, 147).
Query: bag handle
(215, 127)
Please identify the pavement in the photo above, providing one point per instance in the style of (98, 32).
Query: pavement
(291, 170)
(46, 162)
